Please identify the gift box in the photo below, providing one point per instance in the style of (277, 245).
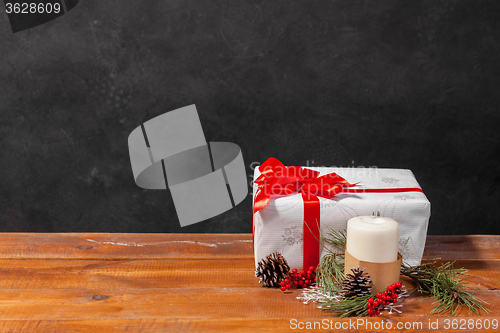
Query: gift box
(295, 206)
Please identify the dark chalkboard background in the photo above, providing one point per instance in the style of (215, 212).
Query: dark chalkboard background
(402, 84)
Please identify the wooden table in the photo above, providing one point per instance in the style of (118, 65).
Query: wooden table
(94, 282)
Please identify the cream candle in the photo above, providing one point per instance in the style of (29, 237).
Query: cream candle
(372, 239)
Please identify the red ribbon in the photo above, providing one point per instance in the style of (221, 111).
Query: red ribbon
(277, 179)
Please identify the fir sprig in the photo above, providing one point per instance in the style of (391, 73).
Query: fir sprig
(333, 270)
(336, 238)
(356, 306)
(444, 283)
(333, 263)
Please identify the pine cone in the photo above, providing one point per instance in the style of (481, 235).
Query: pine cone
(356, 284)
(272, 269)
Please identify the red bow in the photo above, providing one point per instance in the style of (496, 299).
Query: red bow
(277, 179)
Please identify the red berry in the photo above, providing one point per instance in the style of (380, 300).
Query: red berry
(394, 300)
(302, 272)
(283, 288)
(295, 283)
(390, 288)
(377, 312)
(398, 285)
(311, 268)
(370, 311)
(379, 295)
(282, 283)
(300, 282)
(307, 281)
(397, 291)
(385, 292)
(294, 271)
(376, 303)
(370, 300)
(288, 286)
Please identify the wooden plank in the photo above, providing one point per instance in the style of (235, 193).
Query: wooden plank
(197, 246)
(130, 246)
(124, 246)
(177, 283)
(463, 247)
(275, 325)
(125, 274)
(142, 274)
(178, 303)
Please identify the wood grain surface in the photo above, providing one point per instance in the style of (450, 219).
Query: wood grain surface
(93, 282)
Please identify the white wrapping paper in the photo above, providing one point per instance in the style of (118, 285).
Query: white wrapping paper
(279, 225)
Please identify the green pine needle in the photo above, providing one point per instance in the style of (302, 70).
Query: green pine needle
(444, 283)
(333, 275)
(356, 306)
(337, 239)
(333, 263)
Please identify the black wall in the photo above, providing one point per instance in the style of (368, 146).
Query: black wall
(401, 84)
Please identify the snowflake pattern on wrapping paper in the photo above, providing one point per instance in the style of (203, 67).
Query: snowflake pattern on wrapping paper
(404, 197)
(292, 236)
(387, 207)
(258, 228)
(390, 181)
(404, 249)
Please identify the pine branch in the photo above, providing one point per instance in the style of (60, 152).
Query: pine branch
(332, 263)
(356, 306)
(337, 239)
(333, 275)
(444, 283)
